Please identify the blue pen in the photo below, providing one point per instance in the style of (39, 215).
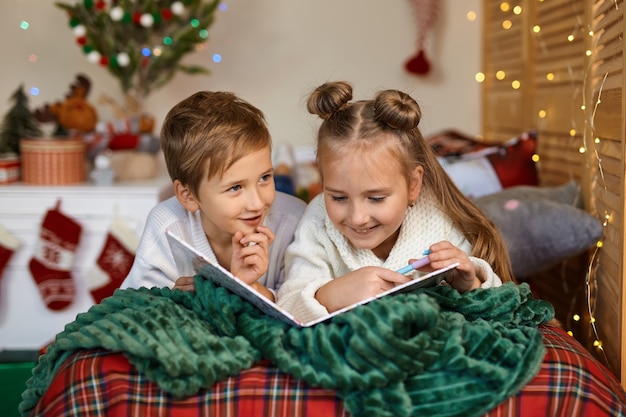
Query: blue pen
(415, 264)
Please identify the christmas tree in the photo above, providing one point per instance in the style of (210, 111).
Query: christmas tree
(141, 42)
(18, 123)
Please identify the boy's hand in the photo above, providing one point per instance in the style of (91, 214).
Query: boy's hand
(251, 254)
(184, 284)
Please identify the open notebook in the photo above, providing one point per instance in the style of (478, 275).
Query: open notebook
(186, 255)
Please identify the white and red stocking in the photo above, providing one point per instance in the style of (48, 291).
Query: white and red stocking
(114, 262)
(52, 262)
(8, 245)
(425, 13)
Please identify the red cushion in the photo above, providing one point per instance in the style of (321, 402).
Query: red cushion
(512, 160)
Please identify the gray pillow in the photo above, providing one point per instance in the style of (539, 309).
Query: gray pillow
(541, 225)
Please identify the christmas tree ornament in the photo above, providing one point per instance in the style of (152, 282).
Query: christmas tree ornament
(425, 13)
(114, 262)
(151, 36)
(8, 245)
(53, 259)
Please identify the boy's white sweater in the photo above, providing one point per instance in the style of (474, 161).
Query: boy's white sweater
(154, 264)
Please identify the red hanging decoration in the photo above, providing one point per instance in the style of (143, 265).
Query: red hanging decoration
(425, 13)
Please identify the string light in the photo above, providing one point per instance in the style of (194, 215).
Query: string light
(161, 33)
(587, 136)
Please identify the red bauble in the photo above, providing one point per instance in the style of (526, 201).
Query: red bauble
(166, 14)
(418, 64)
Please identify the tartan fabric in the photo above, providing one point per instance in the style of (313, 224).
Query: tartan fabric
(97, 383)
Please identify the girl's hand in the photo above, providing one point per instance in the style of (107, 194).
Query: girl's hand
(251, 254)
(463, 277)
(184, 284)
(357, 286)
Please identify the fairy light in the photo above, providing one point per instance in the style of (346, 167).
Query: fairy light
(155, 18)
(479, 77)
(585, 135)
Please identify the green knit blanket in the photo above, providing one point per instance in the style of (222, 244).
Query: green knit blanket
(434, 352)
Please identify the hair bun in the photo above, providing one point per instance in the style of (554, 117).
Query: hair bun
(397, 110)
(329, 98)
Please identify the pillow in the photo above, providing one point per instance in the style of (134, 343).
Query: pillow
(506, 164)
(541, 225)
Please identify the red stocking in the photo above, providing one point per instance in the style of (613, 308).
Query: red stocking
(54, 257)
(8, 245)
(114, 263)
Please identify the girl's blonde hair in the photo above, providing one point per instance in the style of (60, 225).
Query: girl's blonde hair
(394, 114)
(204, 134)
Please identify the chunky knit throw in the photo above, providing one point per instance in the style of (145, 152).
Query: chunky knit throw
(435, 352)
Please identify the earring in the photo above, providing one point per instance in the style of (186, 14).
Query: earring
(411, 203)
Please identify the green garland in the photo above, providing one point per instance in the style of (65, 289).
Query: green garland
(141, 42)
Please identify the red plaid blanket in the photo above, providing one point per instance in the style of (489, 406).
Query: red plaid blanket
(96, 383)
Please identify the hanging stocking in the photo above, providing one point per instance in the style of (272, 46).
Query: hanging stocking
(8, 245)
(425, 13)
(114, 261)
(54, 257)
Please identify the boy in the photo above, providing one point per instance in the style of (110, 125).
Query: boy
(217, 150)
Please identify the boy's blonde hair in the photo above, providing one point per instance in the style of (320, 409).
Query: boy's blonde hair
(204, 134)
(389, 122)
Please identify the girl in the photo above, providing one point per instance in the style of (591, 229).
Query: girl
(385, 200)
(217, 149)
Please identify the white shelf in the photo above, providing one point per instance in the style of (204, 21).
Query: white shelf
(25, 321)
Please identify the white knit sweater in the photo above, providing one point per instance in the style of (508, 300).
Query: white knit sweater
(320, 253)
(154, 264)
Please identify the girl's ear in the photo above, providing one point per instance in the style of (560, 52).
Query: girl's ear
(416, 183)
(185, 197)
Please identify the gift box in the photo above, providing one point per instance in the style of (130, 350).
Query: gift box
(53, 161)
(9, 169)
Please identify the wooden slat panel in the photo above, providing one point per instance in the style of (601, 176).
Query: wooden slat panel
(559, 160)
(604, 122)
(583, 100)
(563, 109)
(607, 122)
(505, 110)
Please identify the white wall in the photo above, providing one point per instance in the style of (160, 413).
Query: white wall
(274, 52)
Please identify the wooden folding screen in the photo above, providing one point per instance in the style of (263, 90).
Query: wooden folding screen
(556, 67)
